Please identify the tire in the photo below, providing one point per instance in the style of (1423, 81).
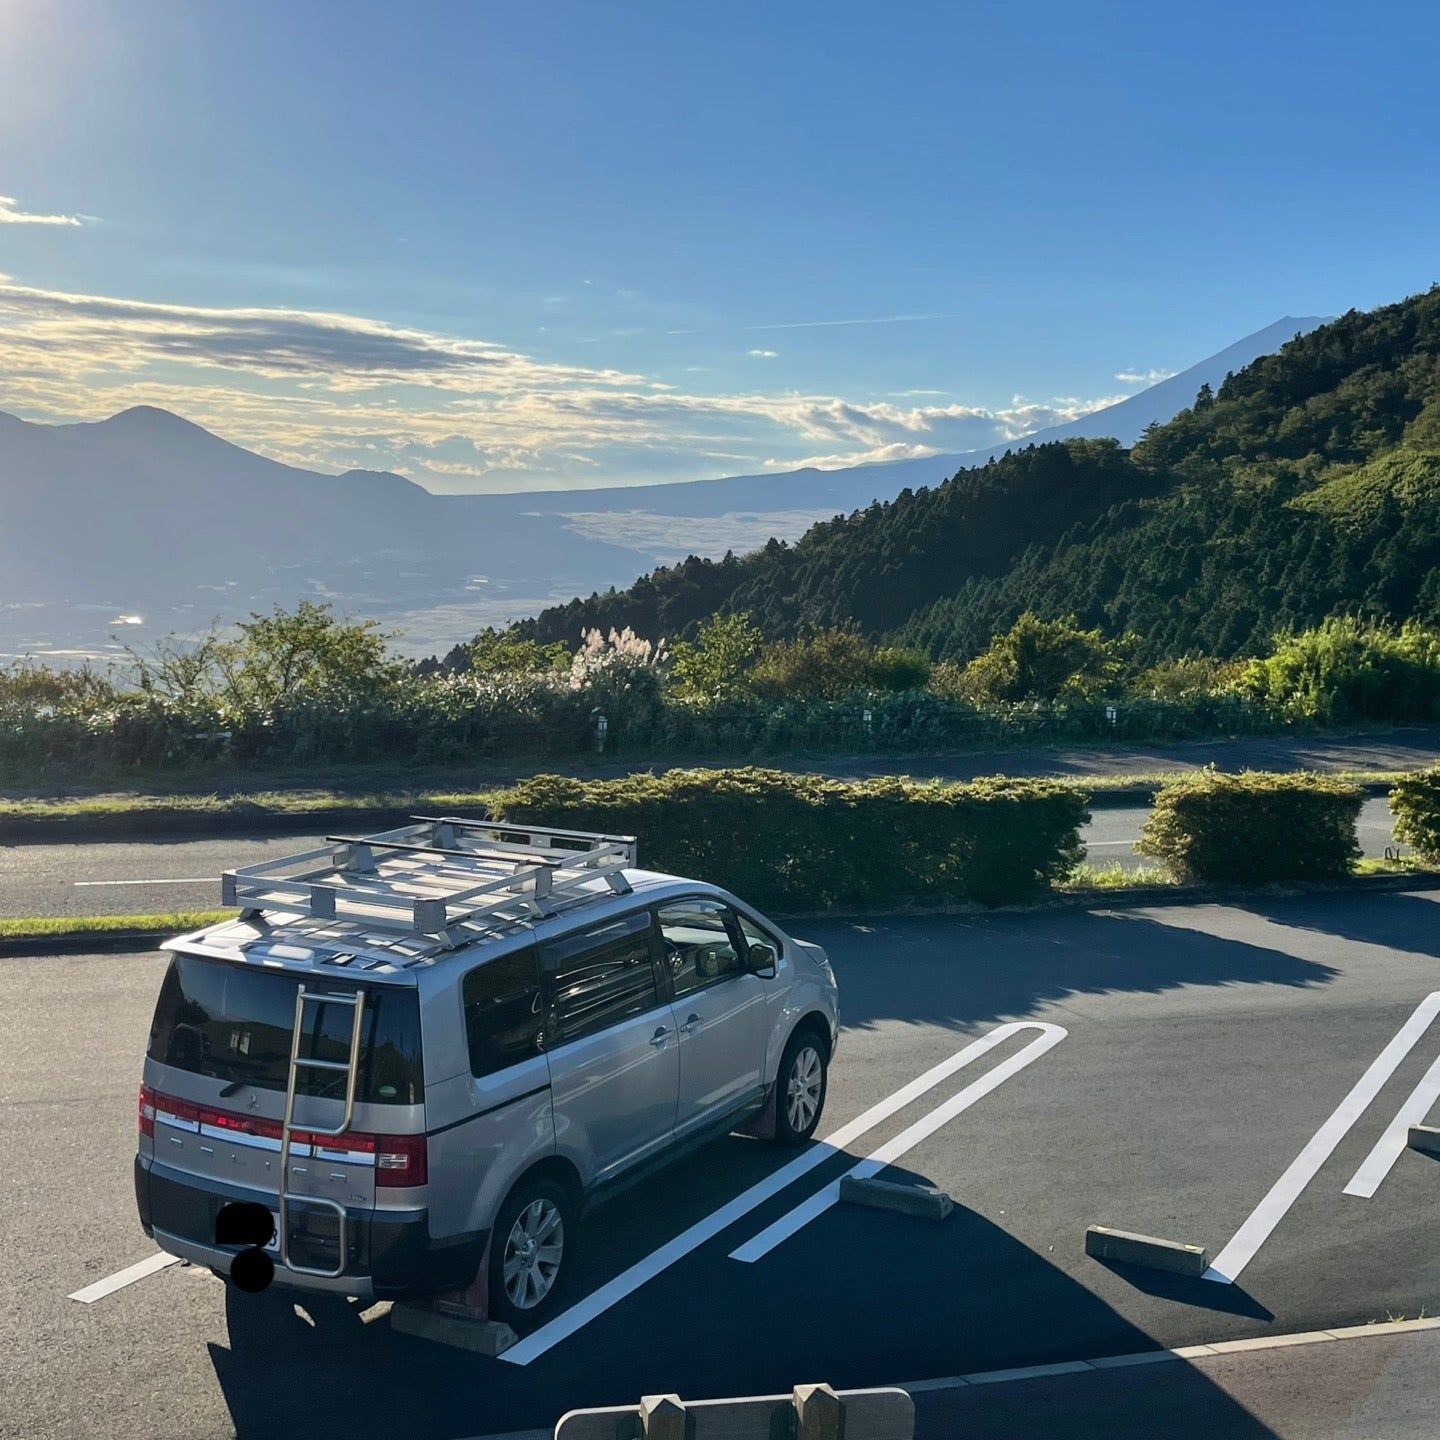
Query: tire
(535, 1212)
(800, 1086)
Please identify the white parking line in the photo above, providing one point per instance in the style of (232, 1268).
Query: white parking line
(121, 1278)
(628, 1281)
(1389, 1147)
(1286, 1190)
(191, 880)
(892, 1150)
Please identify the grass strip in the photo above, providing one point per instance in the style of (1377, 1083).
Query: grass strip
(30, 927)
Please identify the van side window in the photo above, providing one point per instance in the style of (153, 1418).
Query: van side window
(504, 1015)
(698, 944)
(601, 976)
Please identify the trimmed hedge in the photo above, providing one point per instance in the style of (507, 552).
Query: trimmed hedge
(805, 843)
(1415, 804)
(1254, 828)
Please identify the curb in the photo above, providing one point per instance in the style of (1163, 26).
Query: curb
(81, 942)
(1184, 1352)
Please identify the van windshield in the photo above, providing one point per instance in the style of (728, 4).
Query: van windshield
(235, 1023)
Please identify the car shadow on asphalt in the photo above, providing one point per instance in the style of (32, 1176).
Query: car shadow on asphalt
(1390, 918)
(859, 1297)
(962, 970)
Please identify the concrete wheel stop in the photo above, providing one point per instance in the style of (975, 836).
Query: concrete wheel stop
(924, 1201)
(446, 1327)
(1425, 1139)
(1104, 1243)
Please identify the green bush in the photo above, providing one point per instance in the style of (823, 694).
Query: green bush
(804, 843)
(1348, 670)
(1254, 828)
(1415, 803)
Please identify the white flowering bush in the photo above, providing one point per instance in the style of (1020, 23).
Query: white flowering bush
(620, 675)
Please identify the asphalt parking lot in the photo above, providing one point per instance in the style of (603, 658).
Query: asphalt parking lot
(1212, 1074)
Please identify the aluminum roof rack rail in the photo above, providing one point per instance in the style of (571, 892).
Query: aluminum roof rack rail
(441, 877)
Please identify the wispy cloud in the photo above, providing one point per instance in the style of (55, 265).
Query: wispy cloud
(12, 214)
(331, 390)
(1142, 377)
(868, 320)
(763, 354)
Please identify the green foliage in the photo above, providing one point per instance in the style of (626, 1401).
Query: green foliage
(877, 566)
(508, 652)
(1254, 828)
(833, 663)
(1415, 803)
(1346, 670)
(1042, 660)
(714, 666)
(1189, 677)
(796, 843)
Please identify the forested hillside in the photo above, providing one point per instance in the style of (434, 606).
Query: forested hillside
(1308, 485)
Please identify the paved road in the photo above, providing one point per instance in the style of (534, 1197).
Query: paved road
(149, 876)
(1203, 1050)
(1403, 749)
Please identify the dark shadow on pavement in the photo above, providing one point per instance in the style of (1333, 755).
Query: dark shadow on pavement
(962, 970)
(860, 1298)
(1183, 1290)
(1392, 918)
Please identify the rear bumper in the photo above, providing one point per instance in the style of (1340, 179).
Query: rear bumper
(392, 1253)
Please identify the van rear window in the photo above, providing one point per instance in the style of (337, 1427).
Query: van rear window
(234, 1022)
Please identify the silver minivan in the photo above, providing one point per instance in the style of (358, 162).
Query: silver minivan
(426, 1053)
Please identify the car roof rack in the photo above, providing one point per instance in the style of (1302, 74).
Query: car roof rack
(440, 877)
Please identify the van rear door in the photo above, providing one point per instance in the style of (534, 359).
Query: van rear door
(216, 1074)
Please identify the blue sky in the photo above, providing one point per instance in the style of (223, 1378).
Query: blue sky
(518, 245)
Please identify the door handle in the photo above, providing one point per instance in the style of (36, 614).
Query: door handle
(659, 1038)
(691, 1025)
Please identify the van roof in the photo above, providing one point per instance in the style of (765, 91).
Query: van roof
(350, 947)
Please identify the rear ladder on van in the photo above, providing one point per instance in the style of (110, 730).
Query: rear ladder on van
(350, 1068)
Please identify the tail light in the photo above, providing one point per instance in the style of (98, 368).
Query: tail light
(401, 1160)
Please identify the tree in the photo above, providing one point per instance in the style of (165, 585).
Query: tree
(1204, 396)
(713, 667)
(308, 651)
(1042, 660)
(508, 652)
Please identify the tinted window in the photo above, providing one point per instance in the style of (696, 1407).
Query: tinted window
(235, 1022)
(697, 944)
(504, 1017)
(601, 976)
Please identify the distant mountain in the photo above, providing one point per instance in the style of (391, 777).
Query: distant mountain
(150, 520)
(1307, 485)
(823, 493)
(146, 515)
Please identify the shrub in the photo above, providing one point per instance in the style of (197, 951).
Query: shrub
(1347, 670)
(1415, 803)
(832, 663)
(1254, 828)
(1041, 660)
(804, 842)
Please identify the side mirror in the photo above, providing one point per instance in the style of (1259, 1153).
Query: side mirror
(762, 960)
